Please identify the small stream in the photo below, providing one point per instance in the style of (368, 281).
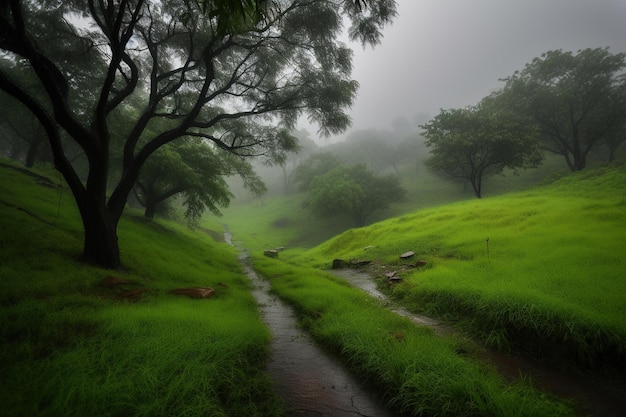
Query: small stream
(597, 396)
(310, 381)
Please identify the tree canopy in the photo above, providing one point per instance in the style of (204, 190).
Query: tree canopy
(578, 101)
(352, 190)
(195, 172)
(239, 82)
(473, 142)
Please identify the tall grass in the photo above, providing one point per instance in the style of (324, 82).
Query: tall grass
(69, 347)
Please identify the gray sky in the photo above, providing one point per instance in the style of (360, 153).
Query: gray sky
(451, 53)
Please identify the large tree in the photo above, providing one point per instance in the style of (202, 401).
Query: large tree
(352, 190)
(578, 101)
(236, 77)
(473, 142)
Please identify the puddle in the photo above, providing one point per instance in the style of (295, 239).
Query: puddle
(310, 381)
(597, 396)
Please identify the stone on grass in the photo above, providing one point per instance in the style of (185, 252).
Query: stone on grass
(194, 292)
(339, 263)
(407, 255)
(134, 294)
(357, 263)
(113, 281)
(271, 253)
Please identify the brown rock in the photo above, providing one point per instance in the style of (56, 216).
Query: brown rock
(339, 263)
(360, 262)
(134, 294)
(194, 292)
(113, 281)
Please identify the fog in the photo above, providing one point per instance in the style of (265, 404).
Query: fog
(451, 53)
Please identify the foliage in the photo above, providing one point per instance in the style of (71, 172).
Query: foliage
(191, 168)
(471, 143)
(578, 101)
(314, 166)
(352, 190)
(239, 82)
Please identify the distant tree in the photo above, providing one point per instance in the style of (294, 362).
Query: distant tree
(314, 166)
(354, 191)
(578, 101)
(474, 142)
(288, 167)
(196, 172)
(236, 73)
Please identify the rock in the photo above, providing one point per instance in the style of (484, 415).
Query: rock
(419, 263)
(134, 294)
(390, 275)
(194, 292)
(368, 247)
(113, 281)
(407, 255)
(339, 263)
(357, 263)
(271, 253)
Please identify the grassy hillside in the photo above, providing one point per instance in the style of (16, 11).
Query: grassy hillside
(550, 280)
(70, 347)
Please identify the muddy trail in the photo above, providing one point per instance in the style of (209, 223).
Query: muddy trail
(310, 381)
(595, 395)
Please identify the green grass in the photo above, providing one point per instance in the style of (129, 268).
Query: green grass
(551, 280)
(73, 348)
(553, 277)
(419, 373)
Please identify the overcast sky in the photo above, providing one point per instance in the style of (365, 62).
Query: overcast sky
(451, 53)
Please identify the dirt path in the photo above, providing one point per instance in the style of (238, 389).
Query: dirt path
(310, 381)
(597, 396)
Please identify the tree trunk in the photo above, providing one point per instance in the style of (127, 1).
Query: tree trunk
(150, 210)
(101, 246)
(33, 147)
(476, 185)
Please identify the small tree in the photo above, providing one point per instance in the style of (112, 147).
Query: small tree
(314, 166)
(354, 191)
(577, 101)
(471, 143)
(196, 172)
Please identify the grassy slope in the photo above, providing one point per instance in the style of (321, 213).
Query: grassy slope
(554, 273)
(70, 347)
(418, 372)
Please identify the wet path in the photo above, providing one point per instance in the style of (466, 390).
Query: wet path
(596, 395)
(310, 381)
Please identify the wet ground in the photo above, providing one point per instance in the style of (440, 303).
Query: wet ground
(311, 382)
(314, 383)
(597, 396)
